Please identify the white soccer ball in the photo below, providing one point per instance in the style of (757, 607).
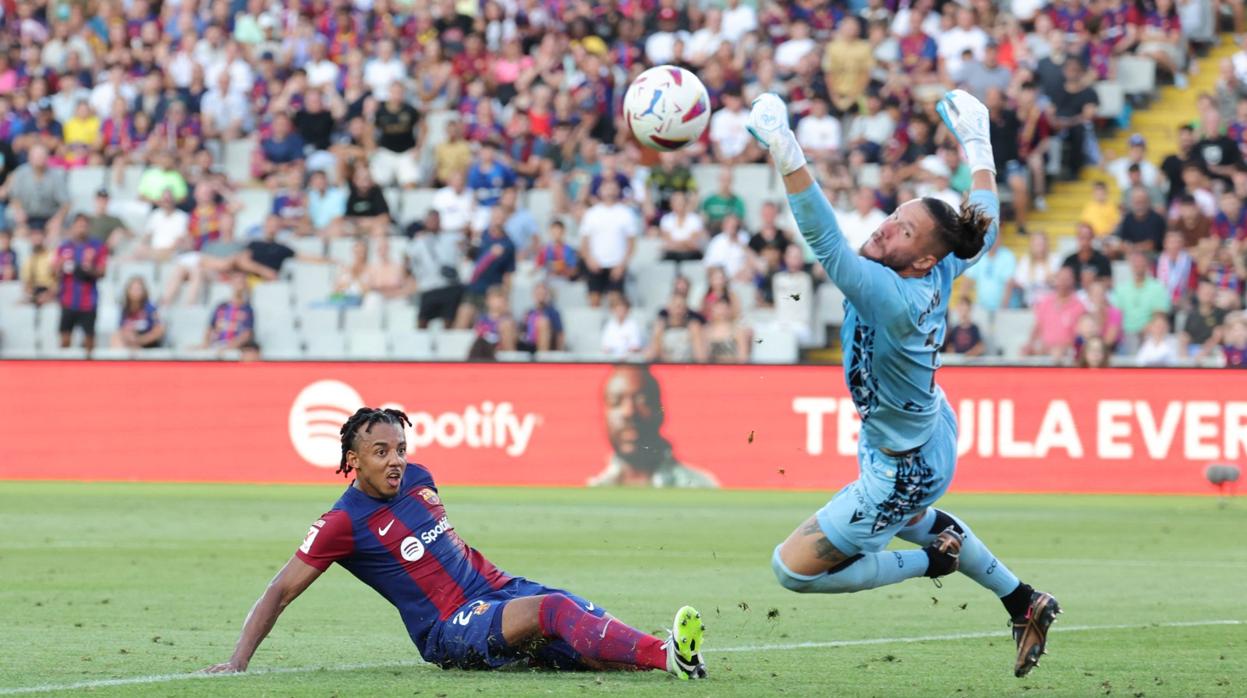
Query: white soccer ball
(667, 108)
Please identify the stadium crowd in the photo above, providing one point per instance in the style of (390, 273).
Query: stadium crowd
(388, 178)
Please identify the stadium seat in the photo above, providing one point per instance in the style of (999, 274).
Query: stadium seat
(107, 353)
(393, 201)
(128, 188)
(648, 252)
(412, 345)
(1112, 98)
(312, 282)
(107, 321)
(1012, 330)
(272, 295)
(513, 356)
(255, 205)
(278, 339)
(10, 294)
(367, 344)
(830, 305)
(73, 353)
(652, 284)
(161, 354)
(400, 315)
(143, 270)
(746, 294)
(774, 345)
(521, 297)
(236, 159)
(695, 271)
(556, 357)
(186, 325)
(48, 327)
(17, 328)
(868, 175)
(219, 293)
(319, 320)
(1136, 75)
(342, 250)
(582, 328)
(364, 319)
(273, 327)
(311, 246)
(412, 205)
(82, 183)
(570, 294)
(328, 346)
(706, 177)
(540, 203)
(453, 345)
(398, 247)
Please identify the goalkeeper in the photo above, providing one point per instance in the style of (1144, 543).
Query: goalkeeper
(897, 291)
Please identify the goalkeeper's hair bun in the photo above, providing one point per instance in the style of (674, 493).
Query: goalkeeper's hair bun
(959, 232)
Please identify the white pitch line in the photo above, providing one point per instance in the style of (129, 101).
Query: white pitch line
(167, 678)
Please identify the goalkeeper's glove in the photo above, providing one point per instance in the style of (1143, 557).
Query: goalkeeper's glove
(969, 121)
(768, 123)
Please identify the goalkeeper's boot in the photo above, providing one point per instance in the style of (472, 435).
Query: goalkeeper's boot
(684, 646)
(1030, 631)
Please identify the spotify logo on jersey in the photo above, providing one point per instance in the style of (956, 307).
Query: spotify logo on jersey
(411, 549)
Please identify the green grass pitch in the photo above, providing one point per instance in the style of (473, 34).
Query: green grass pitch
(143, 584)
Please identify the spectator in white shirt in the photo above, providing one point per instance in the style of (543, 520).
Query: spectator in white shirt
(321, 71)
(1159, 347)
(705, 41)
(1032, 277)
(165, 232)
(1136, 155)
(728, 137)
(819, 132)
(622, 336)
(902, 23)
(608, 232)
(789, 54)
(729, 249)
(865, 218)
(738, 19)
(966, 35)
(383, 70)
(683, 231)
(103, 94)
(660, 46)
(793, 290)
(224, 111)
(240, 72)
(454, 204)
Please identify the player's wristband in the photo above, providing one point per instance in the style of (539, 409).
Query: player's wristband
(787, 153)
(979, 155)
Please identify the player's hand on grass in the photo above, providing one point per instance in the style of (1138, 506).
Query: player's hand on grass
(230, 667)
(969, 121)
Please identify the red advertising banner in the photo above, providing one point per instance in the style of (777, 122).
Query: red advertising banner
(1021, 430)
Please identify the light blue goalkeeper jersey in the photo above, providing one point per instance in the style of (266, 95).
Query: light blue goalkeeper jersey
(893, 326)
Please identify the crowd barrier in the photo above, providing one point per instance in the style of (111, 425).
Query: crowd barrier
(779, 427)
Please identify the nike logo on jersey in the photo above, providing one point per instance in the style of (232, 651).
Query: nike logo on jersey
(386, 528)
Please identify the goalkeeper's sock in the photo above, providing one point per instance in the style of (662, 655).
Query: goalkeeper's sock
(603, 639)
(977, 562)
(858, 573)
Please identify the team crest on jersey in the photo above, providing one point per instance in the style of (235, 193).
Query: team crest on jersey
(480, 610)
(429, 496)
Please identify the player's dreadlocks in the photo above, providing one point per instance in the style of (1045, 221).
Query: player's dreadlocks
(366, 417)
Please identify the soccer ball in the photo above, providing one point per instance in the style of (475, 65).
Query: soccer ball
(666, 108)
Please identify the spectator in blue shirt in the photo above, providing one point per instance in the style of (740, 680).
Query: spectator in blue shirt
(492, 265)
(519, 224)
(324, 203)
(991, 276)
(282, 148)
(488, 177)
(543, 326)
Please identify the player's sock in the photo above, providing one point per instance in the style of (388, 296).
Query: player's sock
(858, 573)
(977, 562)
(604, 639)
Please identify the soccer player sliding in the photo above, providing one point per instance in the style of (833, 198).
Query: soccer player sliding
(897, 293)
(390, 530)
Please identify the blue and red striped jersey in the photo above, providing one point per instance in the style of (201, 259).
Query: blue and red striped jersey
(78, 292)
(406, 549)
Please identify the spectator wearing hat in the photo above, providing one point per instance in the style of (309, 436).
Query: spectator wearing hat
(104, 226)
(1135, 155)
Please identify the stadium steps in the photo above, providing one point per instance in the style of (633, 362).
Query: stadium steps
(1157, 123)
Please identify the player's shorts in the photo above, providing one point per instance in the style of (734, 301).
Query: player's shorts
(890, 490)
(471, 638)
(83, 319)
